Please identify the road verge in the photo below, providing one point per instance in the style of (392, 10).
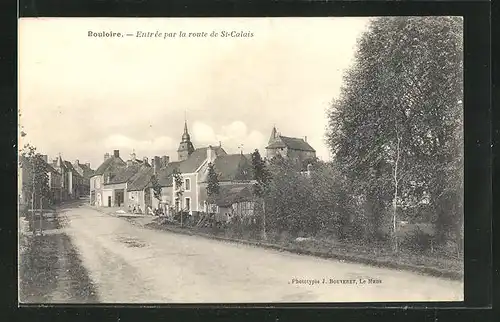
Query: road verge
(50, 269)
(330, 253)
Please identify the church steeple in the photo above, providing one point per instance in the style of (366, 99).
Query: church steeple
(186, 146)
(274, 134)
(185, 135)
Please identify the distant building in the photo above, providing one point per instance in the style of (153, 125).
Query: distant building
(55, 180)
(295, 149)
(71, 181)
(111, 165)
(86, 172)
(193, 167)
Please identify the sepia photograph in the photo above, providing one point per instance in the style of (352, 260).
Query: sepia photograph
(240, 160)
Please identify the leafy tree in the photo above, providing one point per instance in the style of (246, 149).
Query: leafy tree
(262, 177)
(396, 128)
(35, 186)
(156, 187)
(179, 190)
(213, 183)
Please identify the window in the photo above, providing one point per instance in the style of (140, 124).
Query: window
(187, 202)
(97, 182)
(187, 184)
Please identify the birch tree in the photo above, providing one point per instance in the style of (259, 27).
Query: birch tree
(395, 129)
(36, 187)
(262, 177)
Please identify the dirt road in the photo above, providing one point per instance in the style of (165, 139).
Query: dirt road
(131, 264)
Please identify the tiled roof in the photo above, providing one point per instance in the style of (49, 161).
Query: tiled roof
(292, 143)
(229, 195)
(111, 164)
(87, 171)
(275, 145)
(233, 167)
(124, 174)
(70, 167)
(196, 159)
(141, 179)
(165, 174)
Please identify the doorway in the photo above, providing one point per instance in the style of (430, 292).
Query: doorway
(109, 201)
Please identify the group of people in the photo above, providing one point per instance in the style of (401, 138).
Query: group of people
(135, 209)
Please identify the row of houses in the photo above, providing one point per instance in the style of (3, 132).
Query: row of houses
(67, 180)
(128, 183)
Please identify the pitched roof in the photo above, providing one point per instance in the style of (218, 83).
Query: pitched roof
(61, 163)
(50, 168)
(165, 174)
(291, 143)
(233, 167)
(196, 159)
(124, 174)
(141, 179)
(111, 164)
(87, 171)
(231, 194)
(277, 144)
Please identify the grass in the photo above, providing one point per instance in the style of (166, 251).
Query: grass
(49, 263)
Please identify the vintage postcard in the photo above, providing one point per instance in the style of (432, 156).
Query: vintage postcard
(240, 160)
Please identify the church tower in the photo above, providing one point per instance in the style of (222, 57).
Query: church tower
(186, 146)
(274, 136)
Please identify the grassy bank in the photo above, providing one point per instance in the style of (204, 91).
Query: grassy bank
(50, 269)
(421, 263)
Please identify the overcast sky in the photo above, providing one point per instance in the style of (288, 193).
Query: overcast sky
(82, 96)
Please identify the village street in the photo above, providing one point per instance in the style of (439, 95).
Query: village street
(128, 263)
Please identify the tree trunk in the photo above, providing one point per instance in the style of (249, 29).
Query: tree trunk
(41, 215)
(264, 234)
(33, 211)
(394, 203)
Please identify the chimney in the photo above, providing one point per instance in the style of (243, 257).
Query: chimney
(156, 164)
(220, 144)
(129, 163)
(145, 159)
(116, 153)
(77, 162)
(45, 158)
(165, 160)
(88, 164)
(305, 138)
(106, 156)
(211, 154)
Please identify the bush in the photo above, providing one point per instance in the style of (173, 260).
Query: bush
(416, 240)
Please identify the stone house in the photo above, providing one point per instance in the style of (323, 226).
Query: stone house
(296, 149)
(86, 173)
(54, 176)
(71, 180)
(111, 165)
(115, 185)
